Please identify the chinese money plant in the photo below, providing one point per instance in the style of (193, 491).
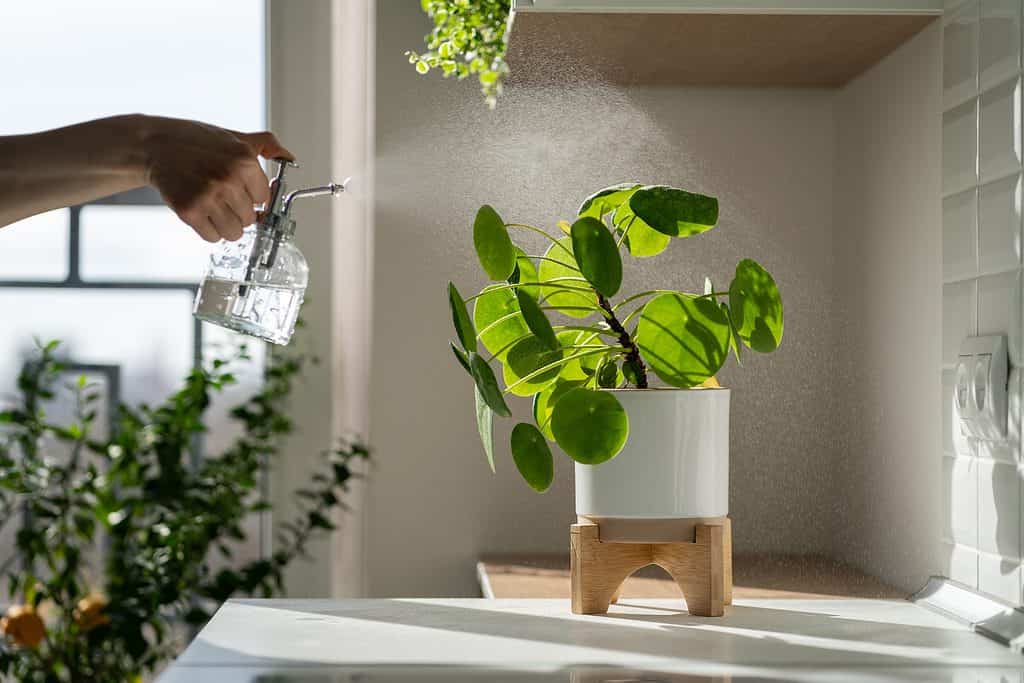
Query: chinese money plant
(558, 330)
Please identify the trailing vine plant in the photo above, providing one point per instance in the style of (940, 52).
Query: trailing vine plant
(167, 528)
(551, 323)
(469, 38)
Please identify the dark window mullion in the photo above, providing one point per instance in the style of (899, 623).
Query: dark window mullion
(74, 246)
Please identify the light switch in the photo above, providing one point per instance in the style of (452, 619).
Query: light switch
(979, 399)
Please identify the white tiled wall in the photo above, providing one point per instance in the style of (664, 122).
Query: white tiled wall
(982, 288)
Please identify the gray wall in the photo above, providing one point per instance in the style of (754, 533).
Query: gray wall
(888, 315)
(432, 504)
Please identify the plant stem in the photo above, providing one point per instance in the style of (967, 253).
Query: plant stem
(593, 309)
(622, 237)
(553, 260)
(553, 282)
(640, 295)
(584, 328)
(632, 352)
(488, 328)
(540, 232)
(633, 314)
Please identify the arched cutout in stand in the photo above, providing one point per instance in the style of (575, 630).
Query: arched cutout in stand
(702, 569)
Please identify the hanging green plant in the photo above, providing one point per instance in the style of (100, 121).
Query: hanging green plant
(469, 39)
(591, 344)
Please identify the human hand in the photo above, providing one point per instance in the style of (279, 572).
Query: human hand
(209, 176)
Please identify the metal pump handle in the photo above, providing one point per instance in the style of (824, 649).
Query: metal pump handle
(275, 217)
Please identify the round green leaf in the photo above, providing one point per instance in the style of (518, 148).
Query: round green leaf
(460, 318)
(525, 357)
(641, 239)
(536, 320)
(590, 426)
(756, 307)
(461, 356)
(544, 403)
(597, 255)
(493, 245)
(556, 264)
(674, 212)
(606, 201)
(492, 305)
(487, 384)
(684, 339)
(532, 457)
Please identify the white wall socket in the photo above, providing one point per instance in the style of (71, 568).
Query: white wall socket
(979, 399)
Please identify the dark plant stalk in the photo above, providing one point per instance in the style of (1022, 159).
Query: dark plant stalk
(633, 358)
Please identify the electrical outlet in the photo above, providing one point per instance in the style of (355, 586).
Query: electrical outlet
(979, 399)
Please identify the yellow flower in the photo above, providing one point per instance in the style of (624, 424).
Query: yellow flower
(23, 625)
(89, 612)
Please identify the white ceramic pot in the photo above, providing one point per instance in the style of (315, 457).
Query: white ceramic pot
(675, 463)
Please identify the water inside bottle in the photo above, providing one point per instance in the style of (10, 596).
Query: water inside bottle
(267, 312)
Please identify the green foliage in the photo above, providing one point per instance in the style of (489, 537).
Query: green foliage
(497, 317)
(532, 456)
(573, 296)
(493, 245)
(756, 310)
(469, 38)
(167, 527)
(460, 318)
(605, 201)
(531, 365)
(640, 239)
(487, 384)
(672, 212)
(549, 322)
(590, 426)
(683, 337)
(597, 255)
(536, 320)
(485, 425)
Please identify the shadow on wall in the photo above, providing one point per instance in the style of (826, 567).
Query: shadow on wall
(983, 504)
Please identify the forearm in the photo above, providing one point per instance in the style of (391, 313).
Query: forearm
(71, 165)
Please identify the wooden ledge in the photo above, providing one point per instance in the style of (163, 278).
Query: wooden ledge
(755, 576)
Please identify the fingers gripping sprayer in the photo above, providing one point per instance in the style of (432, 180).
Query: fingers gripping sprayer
(256, 285)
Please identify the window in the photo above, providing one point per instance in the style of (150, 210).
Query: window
(115, 279)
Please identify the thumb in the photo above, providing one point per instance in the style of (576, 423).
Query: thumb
(266, 145)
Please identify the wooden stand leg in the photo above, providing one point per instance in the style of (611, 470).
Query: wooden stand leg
(598, 569)
(698, 569)
(727, 559)
(703, 569)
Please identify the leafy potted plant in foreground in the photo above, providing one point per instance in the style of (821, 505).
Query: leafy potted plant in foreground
(561, 333)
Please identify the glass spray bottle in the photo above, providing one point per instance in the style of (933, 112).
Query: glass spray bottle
(256, 285)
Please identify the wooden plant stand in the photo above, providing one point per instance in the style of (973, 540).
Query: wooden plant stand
(702, 568)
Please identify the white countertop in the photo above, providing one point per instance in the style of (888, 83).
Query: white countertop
(327, 641)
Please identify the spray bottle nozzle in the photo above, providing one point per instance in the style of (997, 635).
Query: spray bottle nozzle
(333, 189)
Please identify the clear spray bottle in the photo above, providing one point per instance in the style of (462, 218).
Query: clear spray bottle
(256, 285)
